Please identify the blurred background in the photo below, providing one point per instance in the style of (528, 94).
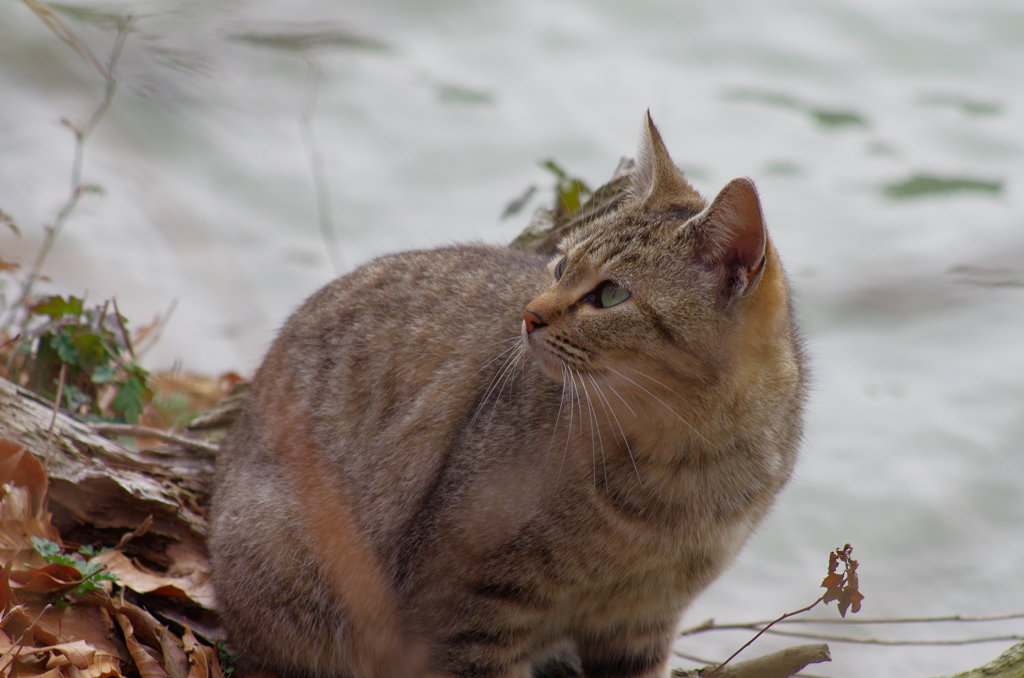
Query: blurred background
(886, 138)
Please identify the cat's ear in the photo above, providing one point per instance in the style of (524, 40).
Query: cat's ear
(730, 235)
(656, 182)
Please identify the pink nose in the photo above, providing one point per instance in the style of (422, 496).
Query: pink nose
(533, 320)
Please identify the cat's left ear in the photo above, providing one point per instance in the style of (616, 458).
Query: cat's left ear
(730, 235)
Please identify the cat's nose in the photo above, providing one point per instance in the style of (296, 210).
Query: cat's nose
(533, 320)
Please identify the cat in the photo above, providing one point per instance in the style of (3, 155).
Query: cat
(481, 462)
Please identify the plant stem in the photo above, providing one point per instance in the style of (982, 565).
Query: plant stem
(77, 188)
(718, 668)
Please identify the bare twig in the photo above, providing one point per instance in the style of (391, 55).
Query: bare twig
(685, 673)
(124, 332)
(17, 646)
(77, 187)
(56, 410)
(762, 626)
(147, 432)
(139, 531)
(903, 620)
(147, 337)
(718, 669)
(780, 664)
(64, 33)
(316, 164)
(878, 641)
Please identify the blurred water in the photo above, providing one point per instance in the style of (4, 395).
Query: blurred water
(887, 139)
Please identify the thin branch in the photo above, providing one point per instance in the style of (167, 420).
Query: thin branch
(136, 431)
(124, 332)
(710, 624)
(906, 620)
(316, 165)
(56, 410)
(148, 336)
(786, 663)
(718, 668)
(77, 188)
(878, 641)
(64, 33)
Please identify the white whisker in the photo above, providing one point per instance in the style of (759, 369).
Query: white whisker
(568, 435)
(495, 380)
(510, 348)
(616, 392)
(594, 427)
(659, 383)
(607, 406)
(508, 378)
(667, 407)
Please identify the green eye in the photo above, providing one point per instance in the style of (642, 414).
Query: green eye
(612, 294)
(559, 269)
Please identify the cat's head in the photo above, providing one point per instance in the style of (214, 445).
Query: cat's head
(667, 288)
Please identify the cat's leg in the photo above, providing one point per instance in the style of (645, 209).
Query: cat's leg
(483, 653)
(627, 652)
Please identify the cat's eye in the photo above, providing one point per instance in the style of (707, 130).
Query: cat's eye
(559, 269)
(612, 294)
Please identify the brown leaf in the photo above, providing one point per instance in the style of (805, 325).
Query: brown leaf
(7, 597)
(78, 653)
(146, 664)
(103, 666)
(196, 586)
(23, 488)
(21, 467)
(52, 578)
(833, 585)
(78, 622)
(196, 656)
(175, 660)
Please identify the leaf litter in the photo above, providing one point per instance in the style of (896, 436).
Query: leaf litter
(94, 610)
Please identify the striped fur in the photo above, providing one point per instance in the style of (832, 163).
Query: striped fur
(427, 481)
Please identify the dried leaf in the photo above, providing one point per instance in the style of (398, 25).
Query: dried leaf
(78, 653)
(79, 622)
(52, 578)
(7, 597)
(842, 587)
(175, 660)
(196, 586)
(21, 467)
(833, 585)
(147, 665)
(196, 656)
(103, 666)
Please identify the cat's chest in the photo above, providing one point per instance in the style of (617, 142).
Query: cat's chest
(616, 536)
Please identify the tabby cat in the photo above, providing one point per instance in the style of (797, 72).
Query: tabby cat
(476, 461)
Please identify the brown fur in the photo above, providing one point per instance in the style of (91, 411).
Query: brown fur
(454, 462)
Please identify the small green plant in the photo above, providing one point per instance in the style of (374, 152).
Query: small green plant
(85, 354)
(227, 658)
(91, 573)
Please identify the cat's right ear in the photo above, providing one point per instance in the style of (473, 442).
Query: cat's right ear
(656, 182)
(730, 236)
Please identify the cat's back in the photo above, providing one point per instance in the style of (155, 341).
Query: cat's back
(388, 362)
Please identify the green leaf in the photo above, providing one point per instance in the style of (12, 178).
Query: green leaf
(104, 374)
(75, 397)
(57, 306)
(130, 399)
(920, 185)
(65, 348)
(571, 194)
(92, 353)
(554, 168)
(45, 547)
